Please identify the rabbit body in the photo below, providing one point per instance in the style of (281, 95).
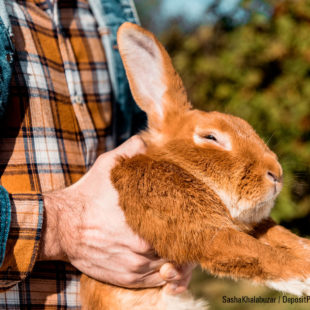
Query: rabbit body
(202, 193)
(97, 295)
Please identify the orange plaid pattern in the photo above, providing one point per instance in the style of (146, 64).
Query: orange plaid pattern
(56, 125)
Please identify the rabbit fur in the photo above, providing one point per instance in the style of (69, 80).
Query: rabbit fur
(202, 193)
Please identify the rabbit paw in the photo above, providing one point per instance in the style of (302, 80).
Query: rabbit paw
(292, 286)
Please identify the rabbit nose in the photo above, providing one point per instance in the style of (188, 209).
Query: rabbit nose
(274, 176)
(274, 172)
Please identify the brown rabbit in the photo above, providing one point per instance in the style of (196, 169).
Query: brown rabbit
(202, 193)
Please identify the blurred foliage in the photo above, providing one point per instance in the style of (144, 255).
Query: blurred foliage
(260, 71)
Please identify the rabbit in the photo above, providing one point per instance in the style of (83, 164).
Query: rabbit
(202, 193)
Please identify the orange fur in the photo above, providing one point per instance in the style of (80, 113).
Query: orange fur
(195, 199)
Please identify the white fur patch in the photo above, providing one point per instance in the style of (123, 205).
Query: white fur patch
(242, 210)
(246, 213)
(158, 300)
(182, 302)
(304, 245)
(293, 286)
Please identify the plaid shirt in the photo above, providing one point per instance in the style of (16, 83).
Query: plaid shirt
(55, 127)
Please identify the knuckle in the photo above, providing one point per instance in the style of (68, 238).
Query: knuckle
(144, 246)
(139, 264)
(129, 279)
(140, 246)
(102, 157)
(137, 140)
(132, 263)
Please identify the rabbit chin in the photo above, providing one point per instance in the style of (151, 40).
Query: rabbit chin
(246, 212)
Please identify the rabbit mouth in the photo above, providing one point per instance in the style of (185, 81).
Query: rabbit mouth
(277, 189)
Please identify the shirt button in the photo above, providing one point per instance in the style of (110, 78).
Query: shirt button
(77, 99)
(9, 57)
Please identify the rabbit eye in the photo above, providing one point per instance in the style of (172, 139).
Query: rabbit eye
(210, 137)
(207, 137)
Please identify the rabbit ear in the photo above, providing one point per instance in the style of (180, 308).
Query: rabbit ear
(155, 85)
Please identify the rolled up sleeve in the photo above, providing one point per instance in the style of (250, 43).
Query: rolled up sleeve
(23, 237)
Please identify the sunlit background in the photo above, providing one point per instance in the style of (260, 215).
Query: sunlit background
(251, 59)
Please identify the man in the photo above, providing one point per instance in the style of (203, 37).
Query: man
(65, 101)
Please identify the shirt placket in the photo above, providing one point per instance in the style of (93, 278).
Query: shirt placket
(70, 66)
(74, 84)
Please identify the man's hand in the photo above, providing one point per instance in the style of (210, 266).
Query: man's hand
(85, 226)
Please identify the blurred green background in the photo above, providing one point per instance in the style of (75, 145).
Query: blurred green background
(251, 59)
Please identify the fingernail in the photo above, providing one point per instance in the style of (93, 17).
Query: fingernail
(171, 274)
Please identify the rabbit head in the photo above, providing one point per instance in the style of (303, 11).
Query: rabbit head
(220, 149)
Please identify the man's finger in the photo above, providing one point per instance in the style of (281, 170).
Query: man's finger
(133, 146)
(177, 279)
(169, 273)
(150, 280)
(107, 161)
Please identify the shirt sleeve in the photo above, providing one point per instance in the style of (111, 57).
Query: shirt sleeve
(23, 237)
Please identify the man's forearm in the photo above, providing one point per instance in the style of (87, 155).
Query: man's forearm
(50, 247)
